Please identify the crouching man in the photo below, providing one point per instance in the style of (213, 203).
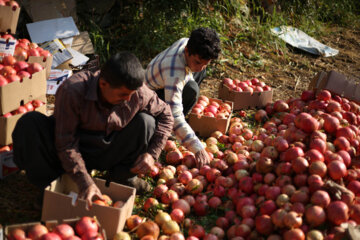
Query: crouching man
(108, 120)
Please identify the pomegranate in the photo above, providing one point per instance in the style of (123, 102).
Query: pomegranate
(337, 212)
(294, 234)
(36, 231)
(264, 225)
(315, 215)
(86, 225)
(320, 198)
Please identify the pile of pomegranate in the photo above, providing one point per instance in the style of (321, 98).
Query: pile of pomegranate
(211, 108)
(86, 228)
(108, 201)
(24, 48)
(295, 175)
(249, 85)
(12, 70)
(27, 107)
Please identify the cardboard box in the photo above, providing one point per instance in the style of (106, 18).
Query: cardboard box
(50, 225)
(14, 94)
(9, 19)
(336, 83)
(245, 100)
(7, 125)
(7, 165)
(205, 126)
(58, 204)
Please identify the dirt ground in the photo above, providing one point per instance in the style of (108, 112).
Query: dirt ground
(289, 74)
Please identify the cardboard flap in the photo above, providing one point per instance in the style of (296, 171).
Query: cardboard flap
(357, 93)
(319, 78)
(349, 89)
(82, 43)
(24, 226)
(335, 82)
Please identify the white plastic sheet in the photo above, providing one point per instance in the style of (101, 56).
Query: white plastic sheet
(301, 40)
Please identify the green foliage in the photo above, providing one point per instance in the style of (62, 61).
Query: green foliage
(147, 27)
(342, 12)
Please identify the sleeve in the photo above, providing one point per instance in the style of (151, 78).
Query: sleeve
(67, 119)
(173, 96)
(164, 122)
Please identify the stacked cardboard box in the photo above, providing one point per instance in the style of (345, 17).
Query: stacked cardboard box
(9, 17)
(15, 94)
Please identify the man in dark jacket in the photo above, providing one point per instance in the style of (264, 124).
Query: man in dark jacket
(107, 120)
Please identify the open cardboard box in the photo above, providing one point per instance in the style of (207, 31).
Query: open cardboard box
(58, 204)
(245, 100)
(14, 94)
(205, 126)
(336, 83)
(7, 125)
(7, 165)
(8, 19)
(50, 226)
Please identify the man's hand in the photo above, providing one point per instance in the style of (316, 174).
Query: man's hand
(202, 158)
(143, 164)
(89, 193)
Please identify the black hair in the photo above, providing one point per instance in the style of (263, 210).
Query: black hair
(123, 69)
(205, 43)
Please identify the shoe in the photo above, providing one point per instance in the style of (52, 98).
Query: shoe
(139, 184)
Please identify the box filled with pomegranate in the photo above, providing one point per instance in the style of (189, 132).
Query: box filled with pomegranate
(245, 94)
(7, 165)
(8, 120)
(210, 115)
(9, 16)
(18, 87)
(86, 227)
(336, 83)
(60, 202)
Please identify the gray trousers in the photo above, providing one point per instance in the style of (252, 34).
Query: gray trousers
(34, 148)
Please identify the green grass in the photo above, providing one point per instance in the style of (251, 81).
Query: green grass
(147, 27)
